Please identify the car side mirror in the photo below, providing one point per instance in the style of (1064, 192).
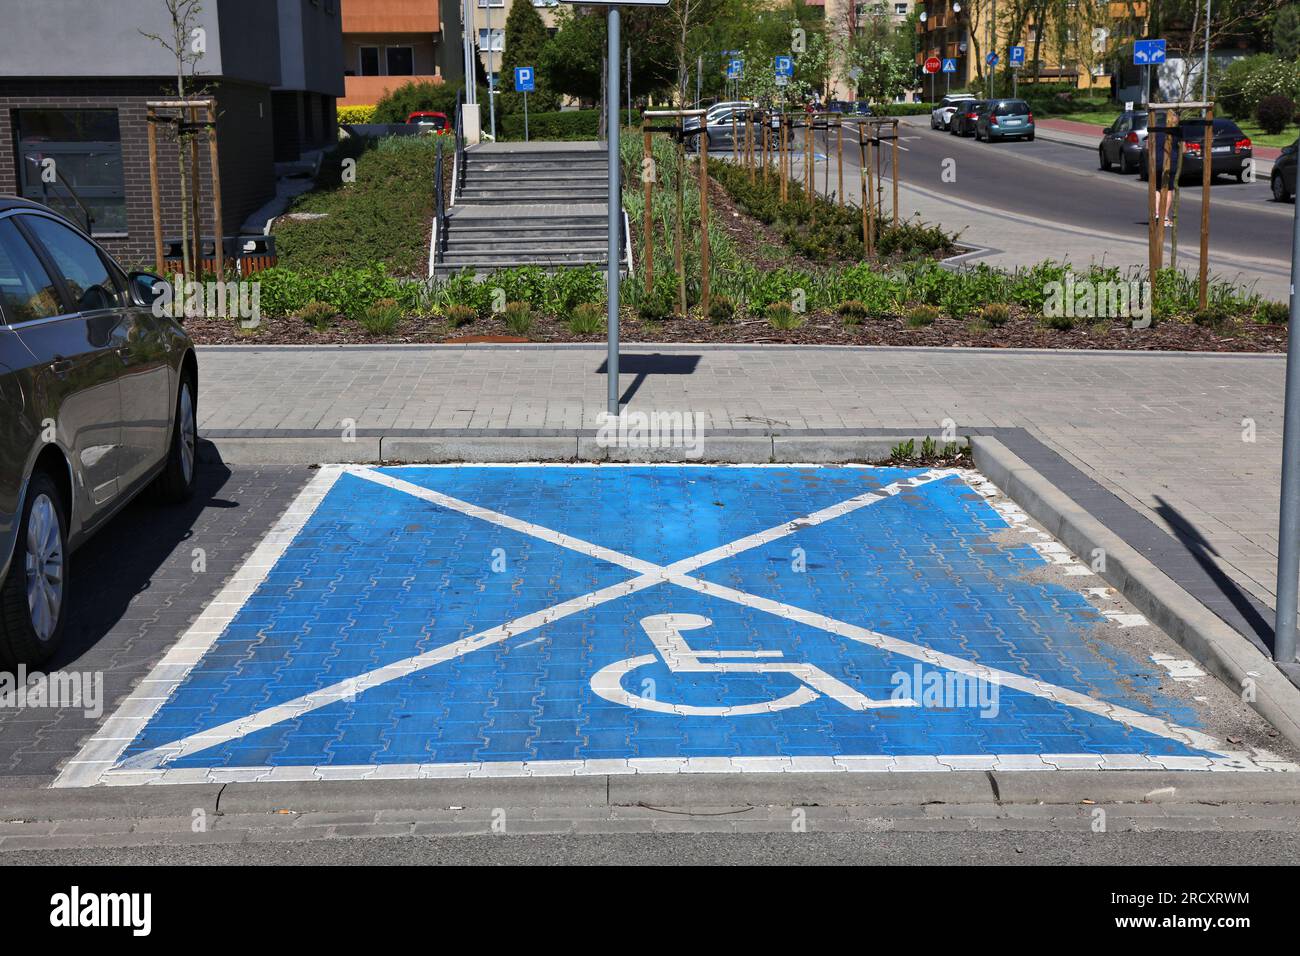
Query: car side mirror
(146, 288)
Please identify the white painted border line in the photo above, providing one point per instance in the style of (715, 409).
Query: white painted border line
(104, 749)
(1230, 763)
(84, 766)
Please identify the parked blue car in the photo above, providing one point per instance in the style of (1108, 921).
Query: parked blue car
(1005, 119)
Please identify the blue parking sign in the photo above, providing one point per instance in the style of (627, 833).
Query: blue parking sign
(525, 79)
(1148, 52)
(734, 68)
(1017, 56)
(950, 65)
(784, 66)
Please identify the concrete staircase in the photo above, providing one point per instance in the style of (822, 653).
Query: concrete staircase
(522, 204)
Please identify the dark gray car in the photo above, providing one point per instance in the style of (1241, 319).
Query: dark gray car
(97, 402)
(1282, 180)
(1122, 141)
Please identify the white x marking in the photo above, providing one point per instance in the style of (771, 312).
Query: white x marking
(649, 574)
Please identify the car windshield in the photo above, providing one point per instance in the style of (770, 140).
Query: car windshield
(1011, 108)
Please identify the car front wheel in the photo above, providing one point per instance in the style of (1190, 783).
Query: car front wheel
(34, 595)
(176, 483)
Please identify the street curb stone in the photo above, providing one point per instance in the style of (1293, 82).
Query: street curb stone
(1209, 639)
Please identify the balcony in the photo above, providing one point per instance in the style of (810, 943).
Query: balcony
(390, 16)
(369, 90)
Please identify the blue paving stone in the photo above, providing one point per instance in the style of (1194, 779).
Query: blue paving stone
(378, 576)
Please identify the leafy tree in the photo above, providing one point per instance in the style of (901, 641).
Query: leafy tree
(1286, 32)
(526, 40)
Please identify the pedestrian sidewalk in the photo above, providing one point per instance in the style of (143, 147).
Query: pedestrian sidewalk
(1191, 441)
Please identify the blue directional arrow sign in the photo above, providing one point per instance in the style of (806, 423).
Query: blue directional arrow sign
(950, 66)
(1148, 52)
(991, 59)
(734, 68)
(525, 79)
(1017, 56)
(784, 66)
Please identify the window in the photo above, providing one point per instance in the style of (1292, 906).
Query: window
(498, 40)
(401, 61)
(483, 4)
(61, 152)
(546, 3)
(900, 9)
(89, 282)
(369, 57)
(26, 291)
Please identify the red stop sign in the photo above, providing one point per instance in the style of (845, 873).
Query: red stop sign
(932, 65)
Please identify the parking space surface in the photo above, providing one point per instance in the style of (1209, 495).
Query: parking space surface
(535, 620)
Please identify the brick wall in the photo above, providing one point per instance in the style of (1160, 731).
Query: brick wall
(244, 142)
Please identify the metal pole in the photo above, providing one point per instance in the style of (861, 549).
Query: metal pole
(492, 86)
(615, 210)
(1288, 534)
(471, 87)
(699, 81)
(1206, 164)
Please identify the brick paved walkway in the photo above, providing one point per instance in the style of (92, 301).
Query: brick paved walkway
(1167, 433)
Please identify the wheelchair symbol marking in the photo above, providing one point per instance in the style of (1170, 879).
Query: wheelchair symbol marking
(665, 631)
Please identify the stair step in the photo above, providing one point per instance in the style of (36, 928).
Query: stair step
(547, 200)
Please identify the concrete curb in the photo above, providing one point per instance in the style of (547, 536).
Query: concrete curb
(1061, 787)
(1209, 639)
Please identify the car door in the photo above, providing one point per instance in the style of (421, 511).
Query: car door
(144, 374)
(1114, 141)
(71, 378)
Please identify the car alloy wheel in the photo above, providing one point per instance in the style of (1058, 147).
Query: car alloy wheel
(188, 433)
(45, 567)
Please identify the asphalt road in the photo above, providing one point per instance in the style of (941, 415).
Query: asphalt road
(970, 847)
(1061, 183)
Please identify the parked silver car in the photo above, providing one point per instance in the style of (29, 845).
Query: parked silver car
(97, 402)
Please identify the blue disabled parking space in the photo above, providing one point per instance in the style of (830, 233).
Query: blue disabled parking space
(413, 618)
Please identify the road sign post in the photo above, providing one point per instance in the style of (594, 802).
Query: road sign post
(1015, 59)
(525, 83)
(1146, 54)
(931, 66)
(1288, 534)
(949, 68)
(615, 221)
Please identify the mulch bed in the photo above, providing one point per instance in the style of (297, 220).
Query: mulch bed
(820, 329)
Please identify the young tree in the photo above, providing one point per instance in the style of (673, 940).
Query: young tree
(1286, 32)
(526, 41)
(187, 42)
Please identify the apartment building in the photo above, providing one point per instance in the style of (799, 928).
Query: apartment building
(76, 78)
(388, 43)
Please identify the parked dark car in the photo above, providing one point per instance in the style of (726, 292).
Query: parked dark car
(1005, 119)
(964, 119)
(98, 400)
(1231, 148)
(1122, 141)
(1283, 178)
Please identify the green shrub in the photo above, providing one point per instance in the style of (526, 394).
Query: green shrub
(382, 317)
(458, 315)
(588, 318)
(518, 317)
(283, 292)
(922, 315)
(995, 314)
(721, 310)
(852, 311)
(656, 306)
(1275, 113)
(319, 315)
(1062, 322)
(1273, 313)
(560, 125)
(1230, 91)
(415, 97)
(782, 316)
